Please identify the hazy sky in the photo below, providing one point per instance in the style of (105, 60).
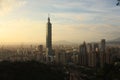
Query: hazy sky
(73, 20)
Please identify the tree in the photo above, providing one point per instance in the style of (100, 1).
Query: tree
(118, 3)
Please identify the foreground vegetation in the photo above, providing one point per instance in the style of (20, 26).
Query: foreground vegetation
(30, 70)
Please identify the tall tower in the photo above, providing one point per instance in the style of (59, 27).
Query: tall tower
(103, 52)
(103, 45)
(49, 41)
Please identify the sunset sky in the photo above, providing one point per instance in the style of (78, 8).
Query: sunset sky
(72, 20)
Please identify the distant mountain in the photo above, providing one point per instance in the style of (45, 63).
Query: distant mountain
(63, 42)
(117, 39)
(114, 41)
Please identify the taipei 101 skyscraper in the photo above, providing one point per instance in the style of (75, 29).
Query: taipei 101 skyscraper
(49, 55)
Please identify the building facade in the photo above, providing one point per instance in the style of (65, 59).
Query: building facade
(49, 55)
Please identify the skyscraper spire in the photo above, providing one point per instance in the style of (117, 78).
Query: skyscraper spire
(48, 18)
(49, 53)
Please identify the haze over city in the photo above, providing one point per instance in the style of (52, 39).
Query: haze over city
(59, 40)
(73, 20)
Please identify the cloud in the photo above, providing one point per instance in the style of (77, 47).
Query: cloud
(75, 19)
(8, 5)
(22, 30)
(87, 32)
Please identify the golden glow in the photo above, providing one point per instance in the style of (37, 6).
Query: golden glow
(25, 20)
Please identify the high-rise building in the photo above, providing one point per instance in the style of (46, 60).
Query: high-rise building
(60, 56)
(49, 54)
(83, 58)
(103, 45)
(103, 53)
(89, 53)
(40, 48)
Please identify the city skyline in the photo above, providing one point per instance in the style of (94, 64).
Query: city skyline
(25, 21)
